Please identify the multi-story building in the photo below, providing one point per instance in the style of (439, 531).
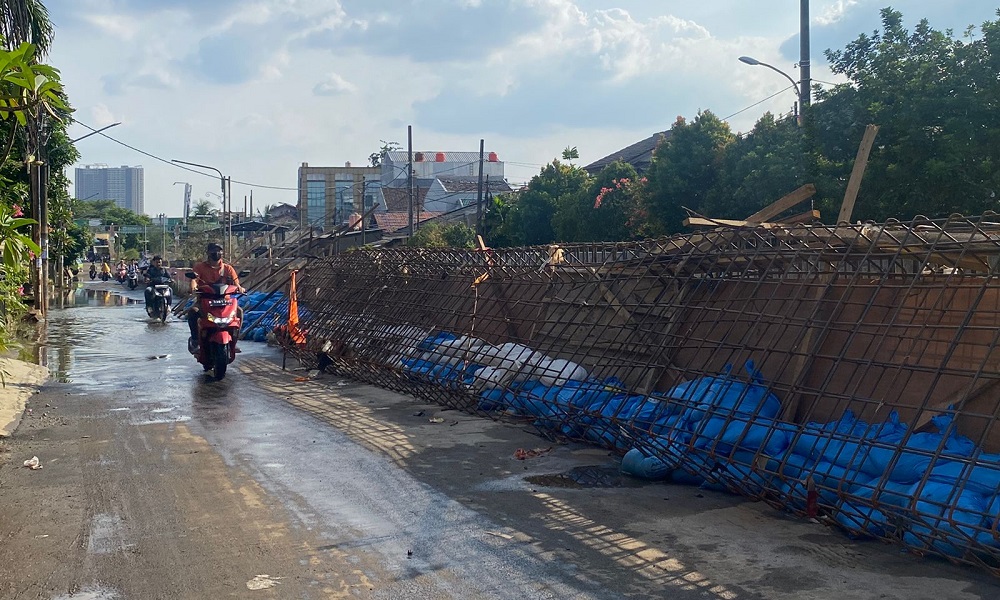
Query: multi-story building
(122, 184)
(453, 177)
(329, 196)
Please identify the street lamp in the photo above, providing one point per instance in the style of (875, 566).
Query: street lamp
(753, 62)
(225, 208)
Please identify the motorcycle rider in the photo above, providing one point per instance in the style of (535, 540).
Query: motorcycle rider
(210, 271)
(154, 273)
(105, 268)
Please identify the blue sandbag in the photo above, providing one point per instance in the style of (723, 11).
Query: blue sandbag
(431, 342)
(982, 475)
(946, 519)
(639, 465)
(766, 434)
(861, 521)
(724, 397)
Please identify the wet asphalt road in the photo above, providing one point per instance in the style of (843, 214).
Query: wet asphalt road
(160, 482)
(341, 520)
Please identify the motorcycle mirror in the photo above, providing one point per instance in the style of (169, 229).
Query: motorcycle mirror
(191, 275)
(244, 273)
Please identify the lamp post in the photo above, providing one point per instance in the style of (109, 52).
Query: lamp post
(225, 206)
(756, 63)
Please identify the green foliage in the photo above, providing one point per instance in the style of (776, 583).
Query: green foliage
(204, 208)
(685, 168)
(444, 235)
(569, 154)
(935, 100)
(26, 85)
(375, 158)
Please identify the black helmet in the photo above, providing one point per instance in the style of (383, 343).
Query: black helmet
(213, 247)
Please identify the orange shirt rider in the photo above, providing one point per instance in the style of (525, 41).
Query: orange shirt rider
(214, 270)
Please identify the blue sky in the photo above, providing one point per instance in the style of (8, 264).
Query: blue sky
(257, 87)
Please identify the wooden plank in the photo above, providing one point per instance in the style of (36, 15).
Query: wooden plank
(782, 204)
(806, 217)
(706, 222)
(854, 184)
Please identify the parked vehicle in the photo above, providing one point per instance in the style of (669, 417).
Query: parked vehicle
(158, 303)
(218, 325)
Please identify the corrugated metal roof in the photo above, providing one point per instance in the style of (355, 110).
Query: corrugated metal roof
(471, 184)
(389, 222)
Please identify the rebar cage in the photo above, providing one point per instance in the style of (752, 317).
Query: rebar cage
(844, 372)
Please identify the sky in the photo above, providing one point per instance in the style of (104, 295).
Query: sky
(255, 88)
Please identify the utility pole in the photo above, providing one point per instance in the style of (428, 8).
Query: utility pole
(409, 174)
(805, 83)
(479, 194)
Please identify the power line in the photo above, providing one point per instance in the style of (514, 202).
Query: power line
(781, 91)
(173, 164)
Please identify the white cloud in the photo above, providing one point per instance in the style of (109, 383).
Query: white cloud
(120, 26)
(257, 87)
(334, 85)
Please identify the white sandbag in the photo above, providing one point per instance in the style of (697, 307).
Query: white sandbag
(454, 352)
(560, 371)
(492, 377)
(506, 354)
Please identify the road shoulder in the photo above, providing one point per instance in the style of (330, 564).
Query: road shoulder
(22, 380)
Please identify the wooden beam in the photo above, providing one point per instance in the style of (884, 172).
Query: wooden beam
(860, 164)
(806, 217)
(706, 222)
(782, 204)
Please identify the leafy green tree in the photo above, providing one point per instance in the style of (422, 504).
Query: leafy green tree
(569, 154)
(604, 210)
(685, 168)
(557, 187)
(204, 208)
(26, 21)
(757, 169)
(934, 98)
(444, 235)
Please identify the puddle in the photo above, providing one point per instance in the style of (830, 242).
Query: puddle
(587, 477)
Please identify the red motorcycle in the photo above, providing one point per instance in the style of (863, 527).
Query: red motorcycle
(218, 326)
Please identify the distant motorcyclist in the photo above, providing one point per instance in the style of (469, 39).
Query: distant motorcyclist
(155, 274)
(210, 271)
(105, 267)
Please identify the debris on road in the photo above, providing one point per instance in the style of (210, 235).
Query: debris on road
(522, 454)
(33, 463)
(435, 420)
(262, 582)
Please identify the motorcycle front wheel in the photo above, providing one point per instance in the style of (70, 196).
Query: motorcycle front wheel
(219, 354)
(163, 311)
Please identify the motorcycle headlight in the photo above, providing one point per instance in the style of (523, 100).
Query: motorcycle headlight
(220, 320)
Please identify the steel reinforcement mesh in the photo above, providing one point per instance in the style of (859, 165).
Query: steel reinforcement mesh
(847, 373)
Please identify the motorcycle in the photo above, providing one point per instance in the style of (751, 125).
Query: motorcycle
(132, 276)
(120, 276)
(93, 271)
(105, 275)
(218, 325)
(159, 305)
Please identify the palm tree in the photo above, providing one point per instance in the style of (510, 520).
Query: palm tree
(26, 21)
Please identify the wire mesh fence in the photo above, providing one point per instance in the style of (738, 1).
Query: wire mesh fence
(847, 373)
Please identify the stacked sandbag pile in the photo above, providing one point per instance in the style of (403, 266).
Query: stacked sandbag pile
(933, 491)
